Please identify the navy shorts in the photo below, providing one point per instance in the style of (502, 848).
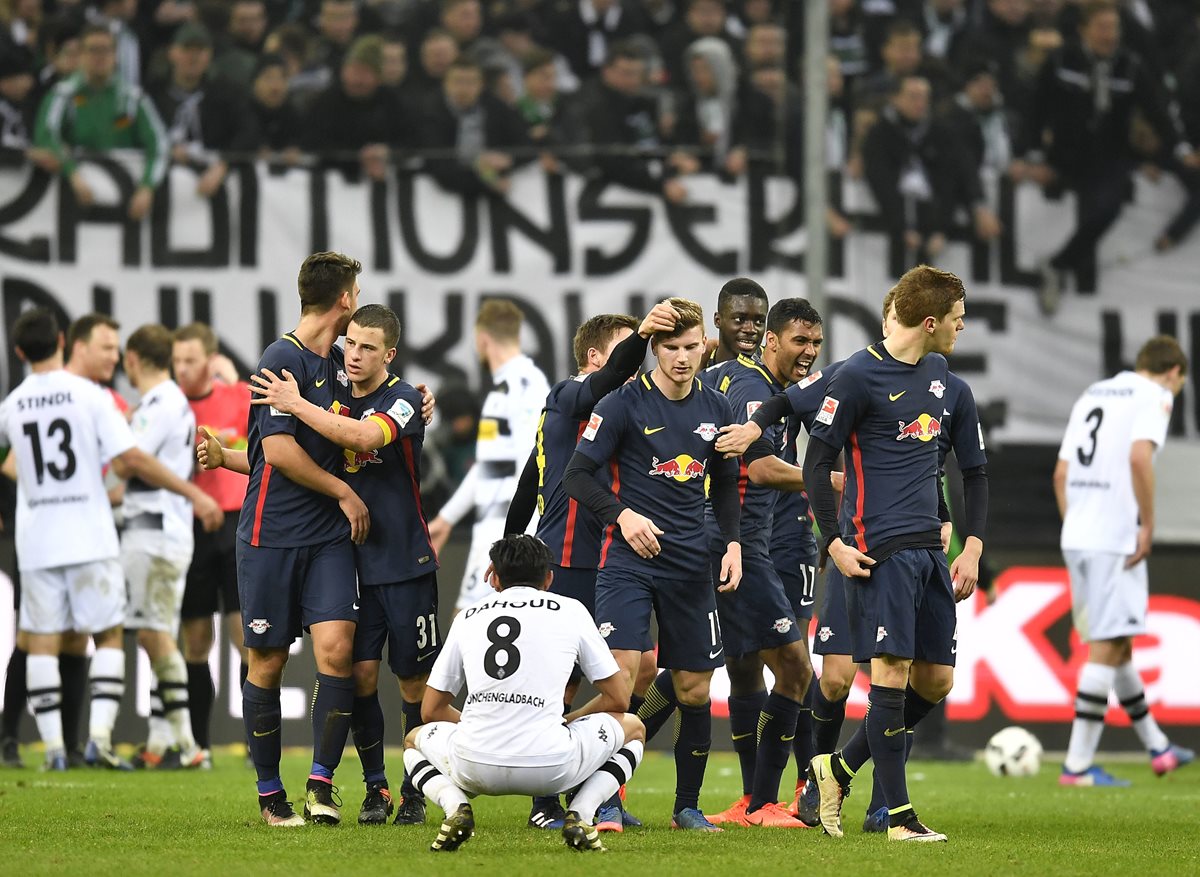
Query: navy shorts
(579, 584)
(212, 579)
(798, 572)
(758, 615)
(833, 629)
(689, 632)
(284, 591)
(906, 609)
(404, 615)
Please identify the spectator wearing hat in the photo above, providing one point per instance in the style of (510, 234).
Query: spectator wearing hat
(709, 114)
(704, 18)
(95, 109)
(584, 31)
(277, 122)
(237, 55)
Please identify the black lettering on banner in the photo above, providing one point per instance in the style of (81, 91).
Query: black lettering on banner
(247, 176)
(17, 295)
(202, 306)
(71, 215)
(1010, 273)
(381, 255)
(164, 255)
(268, 319)
(1168, 324)
(318, 200)
(434, 356)
(37, 248)
(597, 263)
(168, 306)
(994, 314)
(555, 239)
(102, 299)
(764, 231)
(1193, 358)
(536, 322)
(410, 223)
(681, 218)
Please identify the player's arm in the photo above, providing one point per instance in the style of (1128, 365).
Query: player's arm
(282, 453)
(613, 698)
(1060, 487)
(136, 462)
(282, 393)
(626, 358)
(524, 501)
(727, 508)
(438, 706)
(9, 467)
(454, 509)
(818, 474)
(211, 455)
(736, 438)
(1141, 464)
(446, 679)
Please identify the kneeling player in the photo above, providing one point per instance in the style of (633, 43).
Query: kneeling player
(514, 653)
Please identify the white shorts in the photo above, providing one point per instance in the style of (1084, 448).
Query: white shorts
(1108, 600)
(591, 741)
(474, 586)
(155, 582)
(84, 597)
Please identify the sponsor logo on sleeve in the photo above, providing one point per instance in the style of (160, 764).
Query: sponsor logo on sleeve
(401, 412)
(593, 427)
(751, 407)
(828, 409)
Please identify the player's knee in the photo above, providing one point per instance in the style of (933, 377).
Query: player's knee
(410, 739)
(647, 670)
(633, 727)
(745, 674)
(366, 678)
(691, 689)
(149, 641)
(107, 639)
(412, 688)
(74, 643)
(197, 638)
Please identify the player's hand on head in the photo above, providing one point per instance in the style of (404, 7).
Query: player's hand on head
(731, 569)
(1145, 541)
(640, 533)
(851, 562)
(209, 453)
(209, 513)
(280, 391)
(356, 513)
(736, 438)
(662, 318)
(428, 401)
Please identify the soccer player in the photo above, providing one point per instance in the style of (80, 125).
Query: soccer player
(609, 349)
(295, 559)
(156, 542)
(64, 428)
(382, 431)
(220, 408)
(740, 319)
(507, 426)
(884, 409)
(514, 652)
(759, 623)
(654, 436)
(1104, 484)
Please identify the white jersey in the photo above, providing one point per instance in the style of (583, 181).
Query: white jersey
(1109, 417)
(165, 427)
(63, 429)
(514, 651)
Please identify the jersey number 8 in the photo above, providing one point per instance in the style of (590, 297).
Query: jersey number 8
(502, 644)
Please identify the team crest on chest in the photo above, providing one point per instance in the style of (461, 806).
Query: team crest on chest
(937, 388)
(342, 379)
(706, 431)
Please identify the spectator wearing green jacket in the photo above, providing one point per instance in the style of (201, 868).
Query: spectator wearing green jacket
(96, 110)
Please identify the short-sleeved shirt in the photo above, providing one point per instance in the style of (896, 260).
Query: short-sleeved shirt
(514, 652)
(961, 430)
(658, 452)
(277, 512)
(164, 428)
(388, 480)
(223, 411)
(572, 532)
(886, 415)
(63, 429)
(1102, 512)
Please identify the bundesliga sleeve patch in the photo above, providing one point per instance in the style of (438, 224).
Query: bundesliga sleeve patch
(401, 412)
(828, 409)
(810, 380)
(593, 427)
(275, 412)
(751, 407)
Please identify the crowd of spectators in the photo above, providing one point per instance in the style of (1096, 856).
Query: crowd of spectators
(925, 95)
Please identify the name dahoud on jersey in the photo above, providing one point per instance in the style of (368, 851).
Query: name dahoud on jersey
(63, 398)
(533, 603)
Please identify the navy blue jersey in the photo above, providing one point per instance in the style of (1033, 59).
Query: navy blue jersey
(388, 480)
(886, 415)
(278, 513)
(747, 383)
(961, 431)
(658, 452)
(572, 532)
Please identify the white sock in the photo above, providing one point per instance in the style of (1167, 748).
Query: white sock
(108, 687)
(432, 782)
(171, 672)
(603, 784)
(1091, 703)
(160, 737)
(44, 686)
(1132, 695)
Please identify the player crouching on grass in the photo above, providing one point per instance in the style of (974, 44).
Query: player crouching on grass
(515, 653)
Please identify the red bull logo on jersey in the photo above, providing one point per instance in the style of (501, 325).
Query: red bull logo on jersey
(681, 468)
(924, 428)
(355, 460)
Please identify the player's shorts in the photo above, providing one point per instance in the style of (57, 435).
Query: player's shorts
(84, 597)
(833, 628)
(1108, 601)
(579, 584)
(589, 742)
(798, 572)
(284, 591)
(689, 632)
(906, 609)
(212, 581)
(154, 582)
(404, 615)
(758, 614)
(474, 586)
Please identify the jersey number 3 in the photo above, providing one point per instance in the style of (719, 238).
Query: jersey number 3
(502, 644)
(62, 430)
(1095, 417)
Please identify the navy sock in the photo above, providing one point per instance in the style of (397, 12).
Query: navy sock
(744, 711)
(828, 716)
(915, 709)
(332, 709)
(15, 694)
(200, 701)
(802, 746)
(886, 733)
(366, 725)
(693, 739)
(410, 717)
(74, 672)
(776, 733)
(855, 753)
(659, 704)
(263, 719)
(635, 703)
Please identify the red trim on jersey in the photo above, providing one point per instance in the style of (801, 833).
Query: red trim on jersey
(572, 511)
(391, 429)
(860, 534)
(608, 531)
(743, 480)
(410, 464)
(262, 501)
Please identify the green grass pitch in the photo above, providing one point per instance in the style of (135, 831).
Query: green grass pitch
(90, 822)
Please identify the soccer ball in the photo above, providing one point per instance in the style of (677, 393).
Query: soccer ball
(1013, 752)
